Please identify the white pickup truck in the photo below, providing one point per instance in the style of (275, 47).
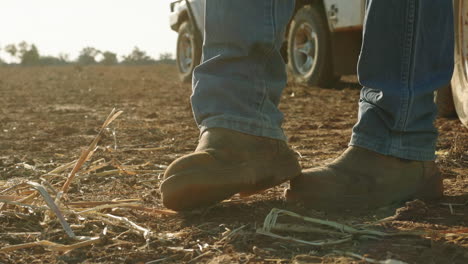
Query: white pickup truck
(322, 43)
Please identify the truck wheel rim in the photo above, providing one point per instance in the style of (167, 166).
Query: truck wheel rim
(305, 49)
(185, 52)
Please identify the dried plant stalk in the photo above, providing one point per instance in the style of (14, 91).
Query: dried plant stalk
(62, 168)
(347, 232)
(107, 206)
(21, 234)
(97, 203)
(303, 229)
(318, 243)
(154, 210)
(124, 220)
(22, 205)
(369, 260)
(14, 187)
(90, 150)
(50, 202)
(10, 197)
(51, 245)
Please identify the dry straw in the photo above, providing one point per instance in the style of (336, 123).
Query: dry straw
(36, 197)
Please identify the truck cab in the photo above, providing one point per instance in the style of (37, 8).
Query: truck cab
(321, 34)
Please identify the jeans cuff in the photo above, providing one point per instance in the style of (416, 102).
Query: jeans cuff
(385, 148)
(243, 125)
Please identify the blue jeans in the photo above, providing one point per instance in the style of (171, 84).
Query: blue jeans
(407, 54)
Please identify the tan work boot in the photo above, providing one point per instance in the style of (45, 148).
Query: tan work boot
(363, 179)
(226, 162)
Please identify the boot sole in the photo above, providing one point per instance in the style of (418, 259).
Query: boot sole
(430, 190)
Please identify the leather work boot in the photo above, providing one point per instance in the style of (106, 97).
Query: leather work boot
(363, 179)
(227, 162)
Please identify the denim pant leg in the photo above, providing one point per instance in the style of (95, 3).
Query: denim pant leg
(238, 85)
(407, 54)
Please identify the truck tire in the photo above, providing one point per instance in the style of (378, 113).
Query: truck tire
(444, 102)
(460, 74)
(188, 51)
(309, 48)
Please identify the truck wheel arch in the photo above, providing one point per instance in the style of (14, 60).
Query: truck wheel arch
(181, 19)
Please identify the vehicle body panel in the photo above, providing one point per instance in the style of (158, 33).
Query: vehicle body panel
(344, 14)
(341, 14)
(179, 12)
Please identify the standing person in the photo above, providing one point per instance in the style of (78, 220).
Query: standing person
(407, 54)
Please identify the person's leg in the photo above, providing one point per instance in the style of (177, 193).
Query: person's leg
(407, 54)
(239, 83)
(236, 92)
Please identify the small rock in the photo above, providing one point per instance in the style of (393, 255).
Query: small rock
(152, 115)
(412, 210)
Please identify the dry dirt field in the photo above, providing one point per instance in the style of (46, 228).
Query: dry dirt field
(49, 116)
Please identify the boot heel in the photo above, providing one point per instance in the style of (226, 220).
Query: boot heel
(433, 187)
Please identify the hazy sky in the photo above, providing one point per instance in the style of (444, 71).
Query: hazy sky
(66, 26)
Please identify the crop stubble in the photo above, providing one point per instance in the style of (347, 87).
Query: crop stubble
(49, 115)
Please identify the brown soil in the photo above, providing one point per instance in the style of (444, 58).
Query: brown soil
(49, 115)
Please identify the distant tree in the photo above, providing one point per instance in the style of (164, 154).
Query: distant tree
(109, 58)
(137, 57)
(23, 47)
(51, 60)
(1, 60)
(165, 56)
(11, 49)
(29, 54)
(64, 57)
(88, 56)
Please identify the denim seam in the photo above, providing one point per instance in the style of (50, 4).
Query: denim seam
(259, 81)
(406, 73)
(269, 11)
(404, 65)
(412, 69)
(409, 66)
